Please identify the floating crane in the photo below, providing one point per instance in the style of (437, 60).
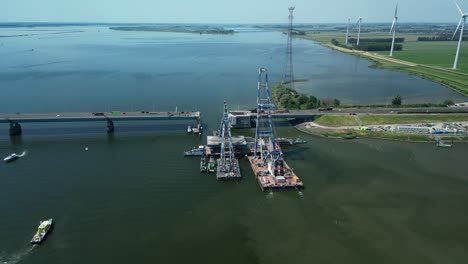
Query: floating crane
(271, 171)
(227, 164)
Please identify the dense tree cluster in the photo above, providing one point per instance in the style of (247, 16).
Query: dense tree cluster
(370, 46)
(377, 46)
(375, 40)
(289, 98)
(396, 100)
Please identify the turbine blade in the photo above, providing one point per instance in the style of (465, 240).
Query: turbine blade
(456, 30)
(459, 9)
(393, 25)
(396, 10)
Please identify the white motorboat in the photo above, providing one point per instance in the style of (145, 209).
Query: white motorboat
(13, 157)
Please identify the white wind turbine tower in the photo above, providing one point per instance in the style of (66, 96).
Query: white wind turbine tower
(462, 23)
(393, 28)
(359, 30)
(347, 31)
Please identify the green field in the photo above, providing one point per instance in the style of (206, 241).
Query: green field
(435, 58)
(347, 120)
(326, 37)
(433, 53)
(411, 119)
(337, 120)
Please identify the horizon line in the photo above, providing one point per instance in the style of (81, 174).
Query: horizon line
(219, 23)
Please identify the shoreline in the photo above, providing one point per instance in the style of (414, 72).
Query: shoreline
(411, 138)
(387, 63)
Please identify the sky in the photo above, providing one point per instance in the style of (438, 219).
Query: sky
(227, 11)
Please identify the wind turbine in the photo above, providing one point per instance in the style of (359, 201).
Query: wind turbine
(359, 30)
(462, 23)
(347, 31)
(393, 28)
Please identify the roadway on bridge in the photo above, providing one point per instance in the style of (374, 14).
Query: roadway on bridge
(88, 116)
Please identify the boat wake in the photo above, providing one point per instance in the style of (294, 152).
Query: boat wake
(16, 257)
(23, 154)
(301, 194)
(270, 195)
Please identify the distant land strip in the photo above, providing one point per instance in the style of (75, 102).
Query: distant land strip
(177, 29)
(49, 33)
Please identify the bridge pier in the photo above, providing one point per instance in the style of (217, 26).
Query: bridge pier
(15, 128)
(110, 126)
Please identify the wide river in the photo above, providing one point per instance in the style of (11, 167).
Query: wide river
(133, 197)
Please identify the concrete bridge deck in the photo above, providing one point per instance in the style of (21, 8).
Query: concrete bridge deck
(89, 117)
(15, 120)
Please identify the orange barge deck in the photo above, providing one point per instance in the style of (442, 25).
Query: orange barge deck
(285, 180)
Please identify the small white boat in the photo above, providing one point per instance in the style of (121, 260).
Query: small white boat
(13, 157)
(189, 129)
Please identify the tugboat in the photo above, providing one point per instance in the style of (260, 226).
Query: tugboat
(203, 167)
(42, 231)
(212, 165)
(13, 157)
(200, 151)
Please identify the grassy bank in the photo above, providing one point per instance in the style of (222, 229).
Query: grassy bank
(411, 119)
(337, 120)
(378, 135)
(429, 60)
(345, 120)
(433, 53)
(395, 136)
(449, 78)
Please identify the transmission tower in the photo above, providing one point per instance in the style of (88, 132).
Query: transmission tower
(288, 75)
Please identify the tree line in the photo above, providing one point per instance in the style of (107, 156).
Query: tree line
(375, 40)
(440, 38)
(370, 46)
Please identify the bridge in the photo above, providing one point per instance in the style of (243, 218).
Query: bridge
(15, 119)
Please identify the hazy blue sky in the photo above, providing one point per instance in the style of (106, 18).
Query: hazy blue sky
(226, 11)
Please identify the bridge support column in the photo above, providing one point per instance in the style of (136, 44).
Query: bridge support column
(15, 128)
(110, 126)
